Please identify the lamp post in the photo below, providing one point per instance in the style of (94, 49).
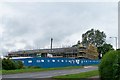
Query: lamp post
(116, 41)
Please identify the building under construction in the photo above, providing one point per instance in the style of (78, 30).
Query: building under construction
(78, 51)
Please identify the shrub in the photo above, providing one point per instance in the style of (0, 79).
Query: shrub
(20, 64)
(9, 64)
(109, 67)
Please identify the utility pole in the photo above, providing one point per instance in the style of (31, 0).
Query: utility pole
(51, 44)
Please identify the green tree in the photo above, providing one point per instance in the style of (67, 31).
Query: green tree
(78, 43)
(105, 48)
(95, 37)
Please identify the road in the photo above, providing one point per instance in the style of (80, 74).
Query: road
(48, 74)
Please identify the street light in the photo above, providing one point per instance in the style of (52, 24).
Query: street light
(116, 41)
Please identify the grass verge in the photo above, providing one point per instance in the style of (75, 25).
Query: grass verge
(37, 69)
(80, 75)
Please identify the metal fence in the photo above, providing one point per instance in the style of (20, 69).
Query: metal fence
(57, 62)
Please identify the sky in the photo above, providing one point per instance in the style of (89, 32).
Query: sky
(30, 25)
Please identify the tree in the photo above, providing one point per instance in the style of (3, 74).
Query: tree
(105, 48)
(94, 37)
(78, 43)
(92, 50)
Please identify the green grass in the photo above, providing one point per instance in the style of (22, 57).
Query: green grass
(37, 69)
(80, 75)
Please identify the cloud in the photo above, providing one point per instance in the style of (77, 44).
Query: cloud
(59, 1)
(31, 25)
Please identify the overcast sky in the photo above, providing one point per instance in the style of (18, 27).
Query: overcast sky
(25, 25)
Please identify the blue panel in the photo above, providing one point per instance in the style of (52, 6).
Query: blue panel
(57, 62)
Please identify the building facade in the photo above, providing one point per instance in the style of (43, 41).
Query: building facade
(78, 51)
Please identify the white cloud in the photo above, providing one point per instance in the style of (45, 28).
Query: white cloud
(31, 25)
(1, 29)
(59, 0)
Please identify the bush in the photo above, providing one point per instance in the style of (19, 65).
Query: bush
(109, 67)
(20, 64)
(9, 64)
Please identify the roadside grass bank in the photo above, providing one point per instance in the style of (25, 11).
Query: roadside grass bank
(26, 70)
(79, 75)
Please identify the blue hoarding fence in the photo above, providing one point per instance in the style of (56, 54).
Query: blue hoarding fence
(57, 62)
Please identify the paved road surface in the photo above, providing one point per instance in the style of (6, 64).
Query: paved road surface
(48, 74)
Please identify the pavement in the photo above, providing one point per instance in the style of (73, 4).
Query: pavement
(49, 74)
